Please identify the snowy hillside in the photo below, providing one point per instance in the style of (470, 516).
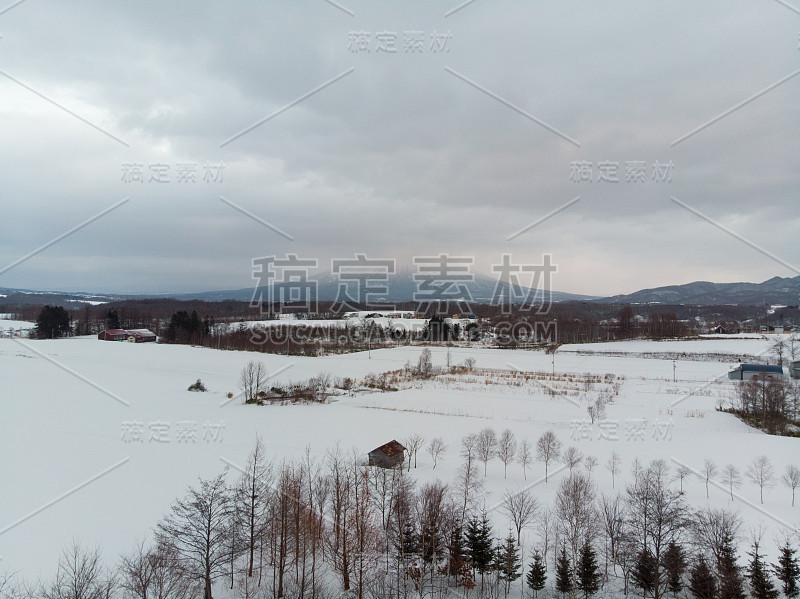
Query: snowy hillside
(99, 438)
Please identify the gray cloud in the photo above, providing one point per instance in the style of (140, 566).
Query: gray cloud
(399, 157)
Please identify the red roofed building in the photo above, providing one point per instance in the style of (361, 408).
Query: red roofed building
(113, 335)
(132, 335)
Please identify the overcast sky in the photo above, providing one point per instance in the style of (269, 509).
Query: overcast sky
(448, 145)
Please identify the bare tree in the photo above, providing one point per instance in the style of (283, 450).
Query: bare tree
(778, 349)
(136, 569)
(80, 575)
(507, 449)
(731, 477)
(525, 457)
(658, 515)
(613, 465)
(548, 449)
(197, 527)
(425, 364)
(612, 515)
(153, 573)
(711, 529)
(576, 511)
(708, 473)
(487, 446)
(251, 497)
(760, 471)
(252, 380)
(468, 485)
(546, 526)
(436, 448)
(791, 478)
(572, 457)
(414, 443)
(590, 463)
(521, 508)
(681, 473)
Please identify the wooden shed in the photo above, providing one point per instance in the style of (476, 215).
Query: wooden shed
(388, 455)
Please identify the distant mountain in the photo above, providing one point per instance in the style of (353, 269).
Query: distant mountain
(27, 297)
(401, 288)
(776, 290)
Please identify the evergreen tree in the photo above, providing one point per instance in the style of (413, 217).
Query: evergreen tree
(537, 575)
(702, 584)
(112, 319)
(645, 572)
(761, 585)
(788, 571)
(479, 543)
(456, 552)
(731, 582)
(431, 542)
(563, 572)
(408, 540)
(674, 562)
(510, 563)
(52, 322)
(586, 571)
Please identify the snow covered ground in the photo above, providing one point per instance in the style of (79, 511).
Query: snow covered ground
(99, 438)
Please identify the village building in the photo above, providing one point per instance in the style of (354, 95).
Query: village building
(130, 335)
(745, 372)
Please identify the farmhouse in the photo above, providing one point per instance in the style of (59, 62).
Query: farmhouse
(132, 335)
(113, 335)
(388, 455)
(745, 372)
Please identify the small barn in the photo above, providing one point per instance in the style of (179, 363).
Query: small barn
(141, 336)
(113, 335)
(388, 455)
(745, 372)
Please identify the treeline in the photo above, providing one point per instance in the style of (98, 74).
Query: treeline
(576, 321)
(771, 404)
(337, 527)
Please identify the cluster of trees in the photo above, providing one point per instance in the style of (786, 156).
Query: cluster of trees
(316, 528)
(769, 403)
(51, 323)
(188, 328)
(254, 387)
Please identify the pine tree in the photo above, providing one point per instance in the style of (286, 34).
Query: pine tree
(509, 562)
(456, 552)
(788, 571)
(645, 572)
(702, 584)
(761, 585)
(563, 572)
(586, 571)
(674, 562)
(731, 582)
(479, 544)
(537, 575)
(408, 540)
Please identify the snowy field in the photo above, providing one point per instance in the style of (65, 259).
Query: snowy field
(74, 467)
